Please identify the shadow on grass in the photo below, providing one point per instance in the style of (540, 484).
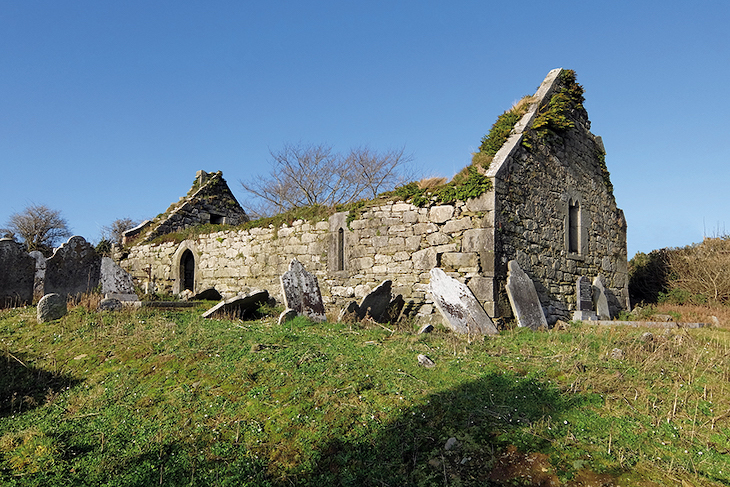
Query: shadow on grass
(488, 417)
(24, 387)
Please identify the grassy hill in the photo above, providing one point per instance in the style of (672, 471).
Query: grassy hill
(147, 397)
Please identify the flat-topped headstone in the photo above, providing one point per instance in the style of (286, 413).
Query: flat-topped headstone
(458, 305)
(51, 307)
(301, 292)
(584, 300)
(17, 274)
(600, 301)
(238, 306)
(523, 298)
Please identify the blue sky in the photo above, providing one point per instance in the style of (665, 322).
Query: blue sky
(107, 109)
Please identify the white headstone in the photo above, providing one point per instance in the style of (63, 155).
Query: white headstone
(458, 305)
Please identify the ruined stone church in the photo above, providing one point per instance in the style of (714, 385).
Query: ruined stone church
(551, 209)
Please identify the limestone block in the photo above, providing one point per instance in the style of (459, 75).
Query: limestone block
(424, 228)
(379, 269)
(400, 256)
(410, 217)
(383, 259)
(453, 226)
(482, 287)
(398, 242)
(441, 213)
(324, 226)
(380, 241)
(401, 207)
(477, 239)
(485, 202)
(437, 238)
(457, 260)
(362, 290)
(424, 259)
(364, 263)
(413, 243)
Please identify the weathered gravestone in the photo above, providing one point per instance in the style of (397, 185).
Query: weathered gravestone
(584, 300)
(523, 298)
(458, 305)
(51, 307)
(40, 273)
(301, 292)
(17, 274)
(380, 305)
(600, 301)
(116, 282)
(238, 306)
(73, 269)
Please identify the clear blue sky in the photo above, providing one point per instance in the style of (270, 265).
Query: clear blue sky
(107, 109)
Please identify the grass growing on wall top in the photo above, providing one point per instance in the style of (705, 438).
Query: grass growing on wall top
(167, 398)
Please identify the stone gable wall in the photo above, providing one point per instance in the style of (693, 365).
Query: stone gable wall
(533, 187)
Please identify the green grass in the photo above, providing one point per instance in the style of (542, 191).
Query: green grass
(167, 398)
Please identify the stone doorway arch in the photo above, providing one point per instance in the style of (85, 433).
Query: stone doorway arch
(185, 267)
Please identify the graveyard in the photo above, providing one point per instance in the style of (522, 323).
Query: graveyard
(479, 334)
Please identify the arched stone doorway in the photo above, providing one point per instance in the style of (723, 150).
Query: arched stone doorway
(185, 267)
(187, 270)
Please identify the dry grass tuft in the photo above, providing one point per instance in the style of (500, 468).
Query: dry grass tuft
(431, 183)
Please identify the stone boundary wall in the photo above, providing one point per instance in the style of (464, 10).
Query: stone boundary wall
(394, 240)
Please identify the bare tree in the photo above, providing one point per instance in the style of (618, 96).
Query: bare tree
(114, 231)
(39, 227)
(305, 175)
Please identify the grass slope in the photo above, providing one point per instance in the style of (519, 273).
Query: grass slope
(167, 398)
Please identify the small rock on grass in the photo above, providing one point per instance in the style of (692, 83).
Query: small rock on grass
(425, 361)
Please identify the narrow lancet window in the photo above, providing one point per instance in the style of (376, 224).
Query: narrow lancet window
(574, 226)
(341, 249)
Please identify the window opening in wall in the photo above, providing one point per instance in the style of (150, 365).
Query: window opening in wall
(187, 270)
(573, 226)
(216, 219)
(341, 249)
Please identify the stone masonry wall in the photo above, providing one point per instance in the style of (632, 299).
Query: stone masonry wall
(396, 241)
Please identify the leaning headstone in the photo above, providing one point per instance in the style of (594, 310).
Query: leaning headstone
(458, 305)
(238, 306)
(523, 298)
(110, 304)
(377, 302)
(301, 292)
(74, 268)
(584, 300)
(599, 299)
(51, 307)
(17, 274)
(116, 282)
